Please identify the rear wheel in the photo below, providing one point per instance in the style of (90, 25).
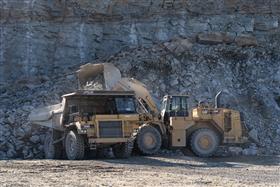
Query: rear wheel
(74, 146)
(51, 150)
(123, 150)
(204, 142)
(148, 140)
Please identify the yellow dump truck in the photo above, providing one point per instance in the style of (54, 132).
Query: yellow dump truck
(89, 120)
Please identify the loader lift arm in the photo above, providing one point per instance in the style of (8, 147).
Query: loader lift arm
(141, 92)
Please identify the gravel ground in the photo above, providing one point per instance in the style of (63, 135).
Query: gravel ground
(143, 171)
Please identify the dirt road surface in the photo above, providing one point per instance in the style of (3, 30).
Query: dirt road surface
(143, 171)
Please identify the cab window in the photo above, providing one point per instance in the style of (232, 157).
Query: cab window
(175, 106)
(125, 105)
(184, 103)
(179, 106)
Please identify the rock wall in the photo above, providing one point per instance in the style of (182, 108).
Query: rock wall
(180, 46)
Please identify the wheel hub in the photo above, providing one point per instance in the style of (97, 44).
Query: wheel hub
(149, 140)
(205, 142)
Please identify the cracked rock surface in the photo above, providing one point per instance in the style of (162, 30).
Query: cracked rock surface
(196, 47)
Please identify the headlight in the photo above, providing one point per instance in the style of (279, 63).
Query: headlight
(216, 111)
(204, 111)
(87, 126)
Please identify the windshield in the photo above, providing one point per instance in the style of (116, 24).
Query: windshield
(125, 105)
(178, 106)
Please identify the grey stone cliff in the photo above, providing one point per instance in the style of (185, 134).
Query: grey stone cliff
(174, 46)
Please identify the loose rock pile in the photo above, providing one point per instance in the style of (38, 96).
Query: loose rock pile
(18, 137)
(175, 67)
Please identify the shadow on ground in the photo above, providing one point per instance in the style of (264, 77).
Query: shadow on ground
(192, 162)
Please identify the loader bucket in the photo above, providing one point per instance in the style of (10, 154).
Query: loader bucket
(88, 72)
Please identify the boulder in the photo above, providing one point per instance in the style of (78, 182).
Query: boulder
(210, 38)
(11, 119)
(254, 135)
(19, 132)
(11, 153)
(235, 150)
(27, 153)
(35, 139)
(266, 24)
(178, 46)
(214, 38)
(251, 151)
(3, 155)
(246, 40)
(19, 144)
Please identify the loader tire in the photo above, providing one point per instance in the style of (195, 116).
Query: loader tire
(51, 150)
(123, 150)
(204, 142)
(74, 146)
(148, 140)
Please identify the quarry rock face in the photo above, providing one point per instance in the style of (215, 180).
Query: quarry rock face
(173, 46)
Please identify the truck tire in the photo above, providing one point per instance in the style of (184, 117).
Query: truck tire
(204, 142)
(148, 140)
(74, 146)
(123, 150)
(51, 150)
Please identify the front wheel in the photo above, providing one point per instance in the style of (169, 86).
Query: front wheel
(148, 140)
(74, 146)
(204, 142)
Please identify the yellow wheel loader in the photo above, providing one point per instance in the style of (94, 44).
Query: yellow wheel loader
(202, 129)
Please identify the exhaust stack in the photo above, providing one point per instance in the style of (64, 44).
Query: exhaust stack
(216, 99)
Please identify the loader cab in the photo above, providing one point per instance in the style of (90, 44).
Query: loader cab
(174, 106)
